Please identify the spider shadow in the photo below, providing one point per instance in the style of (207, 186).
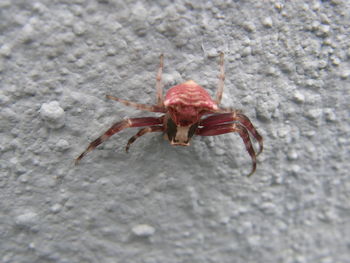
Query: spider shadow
(155, 155)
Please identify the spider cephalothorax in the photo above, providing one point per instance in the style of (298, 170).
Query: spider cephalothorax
(188, 110)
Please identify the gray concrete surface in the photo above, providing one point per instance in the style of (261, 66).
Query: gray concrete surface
(287, 68)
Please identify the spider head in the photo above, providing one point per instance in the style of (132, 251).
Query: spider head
(180, 135)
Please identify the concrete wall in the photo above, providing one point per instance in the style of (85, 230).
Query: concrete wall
(287, 68)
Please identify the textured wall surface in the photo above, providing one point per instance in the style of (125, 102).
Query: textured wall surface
(287, 67)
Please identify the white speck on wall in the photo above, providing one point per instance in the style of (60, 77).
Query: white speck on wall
(143, 230)
(27, 219)
(52, 114)
(267, 21)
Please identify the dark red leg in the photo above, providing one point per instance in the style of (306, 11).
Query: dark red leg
(232, 127)
(143, 132)
(234, 116)
(117, 127)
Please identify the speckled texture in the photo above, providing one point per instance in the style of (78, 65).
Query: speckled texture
(288, 69)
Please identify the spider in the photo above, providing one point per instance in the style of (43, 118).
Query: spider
(185, 107)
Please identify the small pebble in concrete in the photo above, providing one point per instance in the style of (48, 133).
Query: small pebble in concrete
(27, 219)
(267, 22)
(143, 230)
(52, 114)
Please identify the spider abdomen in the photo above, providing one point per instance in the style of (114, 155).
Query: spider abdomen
(190, 94)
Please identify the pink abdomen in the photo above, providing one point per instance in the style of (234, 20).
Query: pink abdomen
(189, 94)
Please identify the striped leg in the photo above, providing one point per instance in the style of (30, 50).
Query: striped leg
(232, 127)
(221, 80)
(159, 85)
(235, 116)
(145, 107)
(117, 127)
(143, 132)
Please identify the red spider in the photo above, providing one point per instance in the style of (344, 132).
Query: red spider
(184, 108)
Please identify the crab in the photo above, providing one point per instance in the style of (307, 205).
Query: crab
(188, 110)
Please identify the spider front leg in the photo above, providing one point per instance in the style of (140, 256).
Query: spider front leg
(234, 116)
(139, 106)
(117, 127)
(232, 127)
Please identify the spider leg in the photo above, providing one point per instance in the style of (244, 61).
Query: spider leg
(145, 107)
(143, 132)
(159, 85)
(221, 80)
(117, 127)
(234, 116)
(232, 127)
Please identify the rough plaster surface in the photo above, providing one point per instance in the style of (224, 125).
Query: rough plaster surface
(287, 67)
